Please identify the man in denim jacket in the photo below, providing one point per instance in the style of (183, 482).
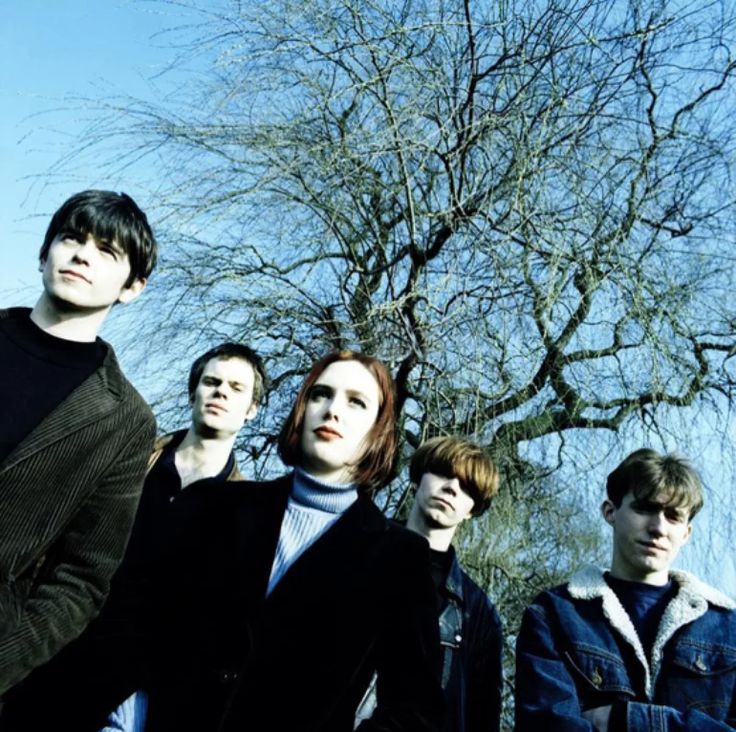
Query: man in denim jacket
(455, 480)
(639, 647)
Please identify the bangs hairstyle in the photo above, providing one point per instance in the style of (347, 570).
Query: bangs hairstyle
(376, 466)
(107, 216)
(648, 475)
(452, 457)
(224, 352)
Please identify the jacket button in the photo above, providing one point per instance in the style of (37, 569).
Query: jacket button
(458, 638)
(700, 664)
(596, 678)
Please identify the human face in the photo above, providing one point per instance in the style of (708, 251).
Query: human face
(223, 399)
(87, 274)
(442, 502)
(647, 536)
(340, 410)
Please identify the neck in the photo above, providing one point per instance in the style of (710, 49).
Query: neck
(200, 457)
(439, 537)
(621, 570)
(71, 325)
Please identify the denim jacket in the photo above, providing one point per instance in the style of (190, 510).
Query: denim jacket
(577, 650)
(471, 637)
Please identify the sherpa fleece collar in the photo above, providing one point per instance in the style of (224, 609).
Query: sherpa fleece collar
(689, 604)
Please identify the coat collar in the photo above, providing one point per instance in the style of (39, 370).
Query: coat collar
(690, 603)
(164, 441)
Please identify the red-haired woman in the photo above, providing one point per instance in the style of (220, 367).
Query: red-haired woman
(304, 588)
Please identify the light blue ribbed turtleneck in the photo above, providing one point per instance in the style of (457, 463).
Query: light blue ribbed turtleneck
(312, 508)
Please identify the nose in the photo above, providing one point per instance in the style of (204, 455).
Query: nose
(656, 523)
(331, 409)
(82, 252)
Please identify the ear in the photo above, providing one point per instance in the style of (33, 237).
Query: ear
(252, 411)
(689, 533)
(608, 511)
(41, 264)
(129, 293)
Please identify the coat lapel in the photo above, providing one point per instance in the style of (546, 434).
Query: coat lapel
(339, 549)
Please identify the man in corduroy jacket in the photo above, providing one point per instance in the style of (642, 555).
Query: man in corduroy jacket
(75, 436)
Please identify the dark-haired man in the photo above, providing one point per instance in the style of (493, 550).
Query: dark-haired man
(74, 434)
(96, 672)
(640, 647)
(454, 480)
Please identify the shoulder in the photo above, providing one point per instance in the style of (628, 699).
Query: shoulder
(694, 589)
(477, 600)
(708, 610)
(585, 585)
(397, 535)
(130, 401)
(10, 313)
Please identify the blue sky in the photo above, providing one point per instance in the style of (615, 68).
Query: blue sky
(50, 53)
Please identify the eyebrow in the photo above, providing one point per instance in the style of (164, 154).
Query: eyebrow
(112, 243)
(358, 392)
(645, 503)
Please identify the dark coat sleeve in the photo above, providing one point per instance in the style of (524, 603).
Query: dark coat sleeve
(74, 576)
(485, 670)
(409, 695)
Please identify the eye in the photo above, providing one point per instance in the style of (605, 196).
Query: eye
(359, 402)
(74, 236)
(675, 517)
(236, 387)
(318, 392)
(108, 249)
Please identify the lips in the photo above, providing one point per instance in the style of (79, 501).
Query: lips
(651, 547)
(218, 408)
(443, 502)
(74, 274)
(327, 433)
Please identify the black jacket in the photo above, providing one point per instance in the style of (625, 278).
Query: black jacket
(471, 637)
(359, 600)
(472, 646)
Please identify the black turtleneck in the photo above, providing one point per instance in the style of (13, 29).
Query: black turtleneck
(37, 372)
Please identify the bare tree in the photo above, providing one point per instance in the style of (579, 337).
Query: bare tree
(525, 208)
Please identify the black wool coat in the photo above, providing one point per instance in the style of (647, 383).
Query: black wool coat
(359, 600)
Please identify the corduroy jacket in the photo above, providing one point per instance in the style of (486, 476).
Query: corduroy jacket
(578, 650)
(68, 496)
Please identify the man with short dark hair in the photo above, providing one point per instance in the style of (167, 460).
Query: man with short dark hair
(639, 647)
(74, 434)
(453, 481)
(98, 671)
